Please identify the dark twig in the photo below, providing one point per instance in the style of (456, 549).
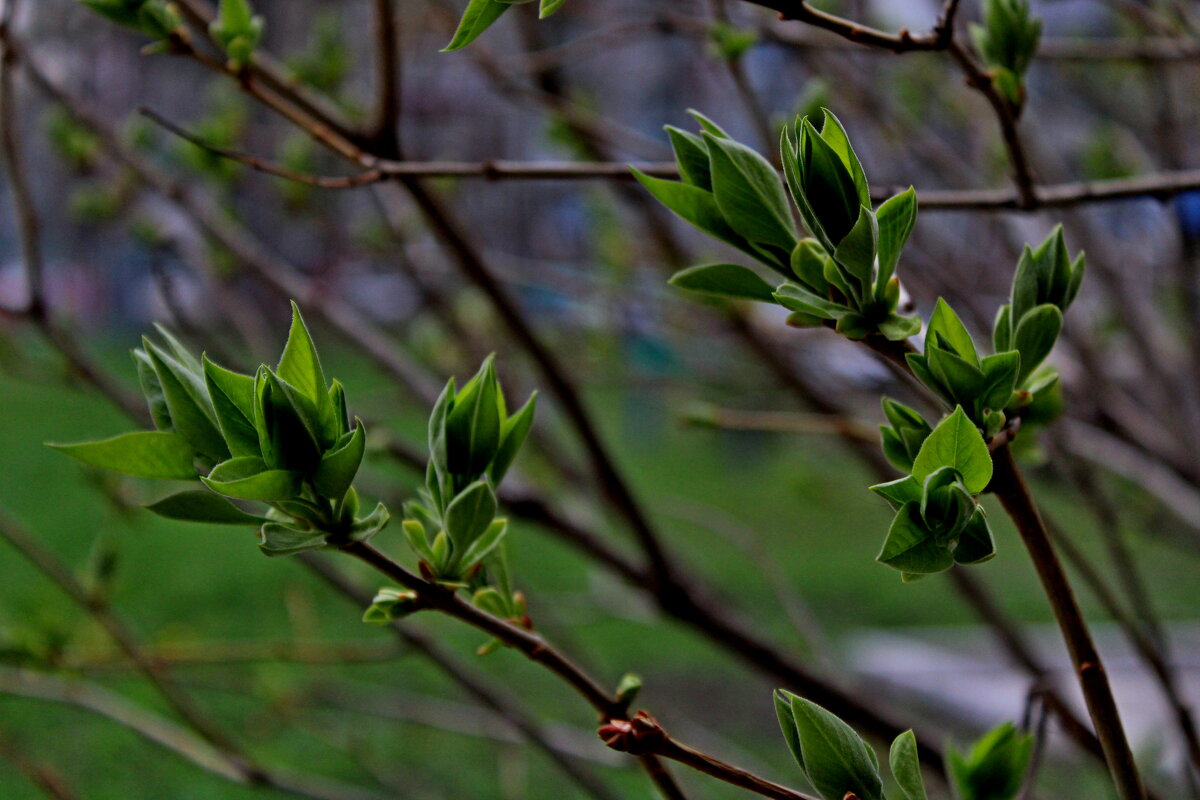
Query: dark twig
(1009, 487)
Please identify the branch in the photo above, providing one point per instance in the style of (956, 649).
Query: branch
(1009, 487)
(383, 132)
(901, 42)
(1157, 186)
(639, 735)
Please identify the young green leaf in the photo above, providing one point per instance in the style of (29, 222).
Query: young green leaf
(363, 529)
(482, 547)
(232, 396)
(199, 505)
(945, 323)
(469, 515)
(338, 467)
(276, 539)
(1035, 336)
(143, 454)
(835, 758)
(957, 443)
(512, 435)
(906, 767)
(249, 478)
(190, 407)
(911, 547)
(725, 280)
(749, 194)
(975, 542)
(477, 18)
(691, 155)
(897, 216)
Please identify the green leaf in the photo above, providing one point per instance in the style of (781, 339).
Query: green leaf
(276, 539)
(695, 206)
(749, 194)
(1002, 329)
(190, 407)
(957, 443)
(906, 766)
(897, 216)
(856, 251)
(900, 491)
(285, 420)
(834, 134)
(232, 396)
(477, 18)
(945, 323)
(962, 379)
(725, 280)
(144, 454)
(787, 723)
(796, 298)
(896, 328)
(828, 189)
(338, 467)
(156, 401)
(548, 7)
(249, 478)
(482, 547)
(414, 533)
(300, 365)
(707, 124)
(473, 424)
(808, 264)
(199, 505)
(1035, 336)
(512, 435)
(911, 547)
(975, 543)
(1000, 379)
(366, 527)
(835, 758)
(469, 515)
(691, 154)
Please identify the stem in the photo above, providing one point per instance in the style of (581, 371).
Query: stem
(727, 772)
(1009, 486)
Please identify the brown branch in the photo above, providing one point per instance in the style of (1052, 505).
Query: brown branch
(902, 41)
(1159, 186)
(383, 132)
(1006, 116)
(1009, 487)
(614, 713)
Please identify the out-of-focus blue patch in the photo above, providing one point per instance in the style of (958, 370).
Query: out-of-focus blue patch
(1187, 211)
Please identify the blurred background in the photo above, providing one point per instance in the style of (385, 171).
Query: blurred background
(746, 444)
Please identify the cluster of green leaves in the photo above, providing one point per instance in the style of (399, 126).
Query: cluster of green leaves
(839, 764)
(844, 276)
(157, 19)
(480, 14)
(237, 29)
(1007, 40)
(938, 521)
(994, 768)
(472, 443)
(280, 439)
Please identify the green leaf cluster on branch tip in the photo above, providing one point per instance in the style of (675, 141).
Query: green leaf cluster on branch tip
(156, 19)
(237, 29)
(938, 521)
(994, 769)
(836, 760)
(472, 442)
(1007, 41)
(1045, 283)
(839, 764)
(480, 14)
(845, 276)
(281, 438)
